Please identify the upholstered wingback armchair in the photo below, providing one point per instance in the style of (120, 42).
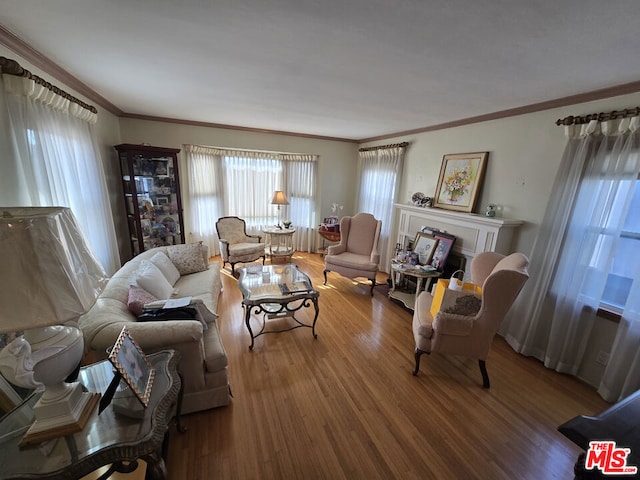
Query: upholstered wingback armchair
(357, 253)
(502, 278)
(236, 246)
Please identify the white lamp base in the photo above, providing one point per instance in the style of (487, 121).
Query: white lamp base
(69, 415)
(47, 358)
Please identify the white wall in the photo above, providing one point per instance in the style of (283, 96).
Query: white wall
(524, 156)
(336, 164)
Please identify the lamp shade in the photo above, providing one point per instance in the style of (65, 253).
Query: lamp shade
(49, 274)
(279, 198)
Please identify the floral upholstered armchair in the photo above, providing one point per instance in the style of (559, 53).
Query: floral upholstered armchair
(236, 246)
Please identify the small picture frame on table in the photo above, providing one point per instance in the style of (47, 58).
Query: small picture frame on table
(424, 246)
(130, 362)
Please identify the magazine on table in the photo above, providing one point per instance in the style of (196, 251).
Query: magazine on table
(295, 287)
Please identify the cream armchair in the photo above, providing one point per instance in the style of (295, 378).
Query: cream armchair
(236, 246)
(501, 278)
(357, 253)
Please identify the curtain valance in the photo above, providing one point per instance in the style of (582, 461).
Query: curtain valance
(227, 152)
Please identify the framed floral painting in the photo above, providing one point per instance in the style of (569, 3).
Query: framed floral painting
(460, 180)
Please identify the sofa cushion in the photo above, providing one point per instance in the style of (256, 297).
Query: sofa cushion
(187, 258)
(149, 277)
(138, 297)
(166, 266)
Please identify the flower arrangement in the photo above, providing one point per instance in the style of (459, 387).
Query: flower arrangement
(456, 184)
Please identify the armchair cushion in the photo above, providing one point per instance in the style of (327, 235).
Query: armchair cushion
(242, 249)
(354, 260)
(452, 324)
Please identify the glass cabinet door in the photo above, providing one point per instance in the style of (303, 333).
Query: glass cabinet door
(152, 196)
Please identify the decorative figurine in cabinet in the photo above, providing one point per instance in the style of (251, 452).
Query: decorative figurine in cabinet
(151, 187)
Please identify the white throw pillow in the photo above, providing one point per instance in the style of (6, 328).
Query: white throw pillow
(187, 258)
(153, 281)
(166, 266)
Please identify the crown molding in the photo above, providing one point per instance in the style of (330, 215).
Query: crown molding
(617, 90)
(24, 50)
(152, 118)
(31, 55)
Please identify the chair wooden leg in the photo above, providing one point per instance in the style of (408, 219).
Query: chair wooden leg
(325, 277)
(483, 371)
(418, 354)
(373, 284)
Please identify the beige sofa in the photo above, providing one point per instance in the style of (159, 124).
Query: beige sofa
(204, 360)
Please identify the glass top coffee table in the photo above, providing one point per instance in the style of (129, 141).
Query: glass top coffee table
(276, 291)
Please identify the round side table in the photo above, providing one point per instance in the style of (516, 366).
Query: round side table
(279, 241)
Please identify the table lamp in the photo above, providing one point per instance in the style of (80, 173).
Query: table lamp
(279, 199)
(49, 277)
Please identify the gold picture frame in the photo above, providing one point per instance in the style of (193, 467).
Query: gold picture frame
(460, 180)
(130, 362)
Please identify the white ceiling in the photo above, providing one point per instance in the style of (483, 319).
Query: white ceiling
(341, 68)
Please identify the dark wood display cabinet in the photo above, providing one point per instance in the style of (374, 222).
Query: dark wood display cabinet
(151, 186)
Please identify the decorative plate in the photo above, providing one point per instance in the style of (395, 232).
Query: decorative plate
(416, 198)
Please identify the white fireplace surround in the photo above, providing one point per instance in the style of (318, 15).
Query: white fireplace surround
(474, 233)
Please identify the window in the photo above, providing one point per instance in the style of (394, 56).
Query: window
(626, 261)
(241, 183)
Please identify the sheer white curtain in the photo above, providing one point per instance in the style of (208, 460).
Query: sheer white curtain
(622, 375)
(380, 173)
(206, 201)
(241, 183)
(58, 162)
(573, 256)
(300, 173)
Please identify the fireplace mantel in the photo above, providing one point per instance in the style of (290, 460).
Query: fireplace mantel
(475, 233)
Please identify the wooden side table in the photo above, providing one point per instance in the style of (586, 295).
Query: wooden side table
(409, 298)
(108, 438)
(327, 236)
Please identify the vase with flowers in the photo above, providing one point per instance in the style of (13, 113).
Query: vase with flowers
(457, 183)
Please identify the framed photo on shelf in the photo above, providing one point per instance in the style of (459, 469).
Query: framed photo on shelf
(145, 225)
(129, 360)
(162, 201)
(444, 247)
(460, 180)
(424, 245)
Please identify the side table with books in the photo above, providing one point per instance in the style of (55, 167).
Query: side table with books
(399, 286)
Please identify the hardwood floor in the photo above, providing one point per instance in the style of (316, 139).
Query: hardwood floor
(345, 405)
